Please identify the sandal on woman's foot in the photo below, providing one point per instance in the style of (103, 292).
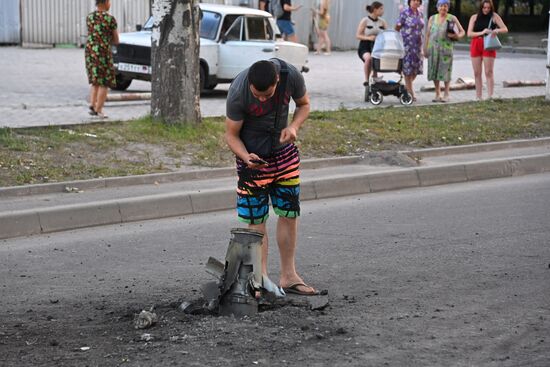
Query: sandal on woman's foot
(101, 115)
(91, 111)
(445, 99)
(436, 99)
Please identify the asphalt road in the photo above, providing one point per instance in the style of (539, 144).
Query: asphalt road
(49, 86)
(449, 275)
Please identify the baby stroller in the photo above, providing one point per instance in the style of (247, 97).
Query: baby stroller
(387, 56)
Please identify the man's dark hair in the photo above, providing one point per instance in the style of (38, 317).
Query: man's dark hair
(100, 2)
(262, 75)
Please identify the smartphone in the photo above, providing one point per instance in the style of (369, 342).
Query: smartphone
(258, 161)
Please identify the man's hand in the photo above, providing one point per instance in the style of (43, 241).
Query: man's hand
(288, 135)
(254, 161)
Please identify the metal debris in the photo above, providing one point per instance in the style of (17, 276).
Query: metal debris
(72, 189)
(146, 337)
(145, 319)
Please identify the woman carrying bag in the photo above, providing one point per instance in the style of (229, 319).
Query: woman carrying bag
(484, 28)
(443, 29)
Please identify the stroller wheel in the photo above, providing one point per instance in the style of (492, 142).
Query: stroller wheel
(406, 99)
(376, 98)
(367, 93)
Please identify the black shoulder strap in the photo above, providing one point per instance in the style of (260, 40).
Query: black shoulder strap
(281, 91)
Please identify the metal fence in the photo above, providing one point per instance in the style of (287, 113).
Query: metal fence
(64, 21)
(345, 16)
(10, 28)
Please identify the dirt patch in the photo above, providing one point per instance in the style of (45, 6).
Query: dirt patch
(102, 334)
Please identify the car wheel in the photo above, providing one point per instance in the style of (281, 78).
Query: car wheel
(406, 99)
(122, 83)
(376, 98)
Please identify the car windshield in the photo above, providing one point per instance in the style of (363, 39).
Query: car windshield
(210, 23)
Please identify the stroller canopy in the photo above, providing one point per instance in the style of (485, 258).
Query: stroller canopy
(388, 44)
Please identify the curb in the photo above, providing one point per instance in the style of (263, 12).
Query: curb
(475, 148)
(202, 174)
(47, 220)
(198, 174)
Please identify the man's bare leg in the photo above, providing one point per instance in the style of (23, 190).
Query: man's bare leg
(265, 244)
(287, 234)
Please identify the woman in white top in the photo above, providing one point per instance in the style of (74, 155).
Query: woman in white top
(368, 29)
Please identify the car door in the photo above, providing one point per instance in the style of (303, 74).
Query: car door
(250, 38)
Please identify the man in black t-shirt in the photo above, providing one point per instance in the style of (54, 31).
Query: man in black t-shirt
(268, 162)
(285, 23)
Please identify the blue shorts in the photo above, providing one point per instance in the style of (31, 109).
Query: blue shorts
(285, 26)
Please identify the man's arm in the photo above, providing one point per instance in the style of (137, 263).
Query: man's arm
(233, 140)
(290, 133)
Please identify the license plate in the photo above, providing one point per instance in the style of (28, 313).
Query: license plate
(134, 68)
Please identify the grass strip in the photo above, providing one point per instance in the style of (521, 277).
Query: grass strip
(52, 154)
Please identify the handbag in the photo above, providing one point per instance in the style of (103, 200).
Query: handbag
(451, 29)
(490, 42)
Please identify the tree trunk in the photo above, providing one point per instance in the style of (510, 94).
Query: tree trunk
(175, 60)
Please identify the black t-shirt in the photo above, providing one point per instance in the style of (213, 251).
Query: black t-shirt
(243, 106)
(286, 14)
(482, 22)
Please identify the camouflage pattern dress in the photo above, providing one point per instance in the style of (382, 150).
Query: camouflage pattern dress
(440, 51)
(99, 57)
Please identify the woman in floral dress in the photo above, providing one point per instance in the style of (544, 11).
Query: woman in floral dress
(102, 34)
(439, 47)
(411, 26)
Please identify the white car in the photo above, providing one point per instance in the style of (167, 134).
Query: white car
(231, 39)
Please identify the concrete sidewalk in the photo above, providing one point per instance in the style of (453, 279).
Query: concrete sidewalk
(48, 208)
(49, 87)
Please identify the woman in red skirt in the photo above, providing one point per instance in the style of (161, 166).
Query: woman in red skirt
(486, 21)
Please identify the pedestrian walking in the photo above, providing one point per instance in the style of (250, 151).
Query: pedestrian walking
(443, 29)
(102, 35)
(485, 23)
(322, 17)
(368, 29)
(268, 162)
(285, 21)
(411, 26)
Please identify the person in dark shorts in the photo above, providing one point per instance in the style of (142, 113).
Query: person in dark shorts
(368, 29)
(268, 162)
(102, 34)
(285, 23)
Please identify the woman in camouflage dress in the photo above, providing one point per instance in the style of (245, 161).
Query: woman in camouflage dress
(102, 34)
(443, 29)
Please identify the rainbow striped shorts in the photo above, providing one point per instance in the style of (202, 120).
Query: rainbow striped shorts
(280, 181)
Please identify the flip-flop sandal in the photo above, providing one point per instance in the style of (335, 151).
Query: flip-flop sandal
(293, 288)
(92, 111)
